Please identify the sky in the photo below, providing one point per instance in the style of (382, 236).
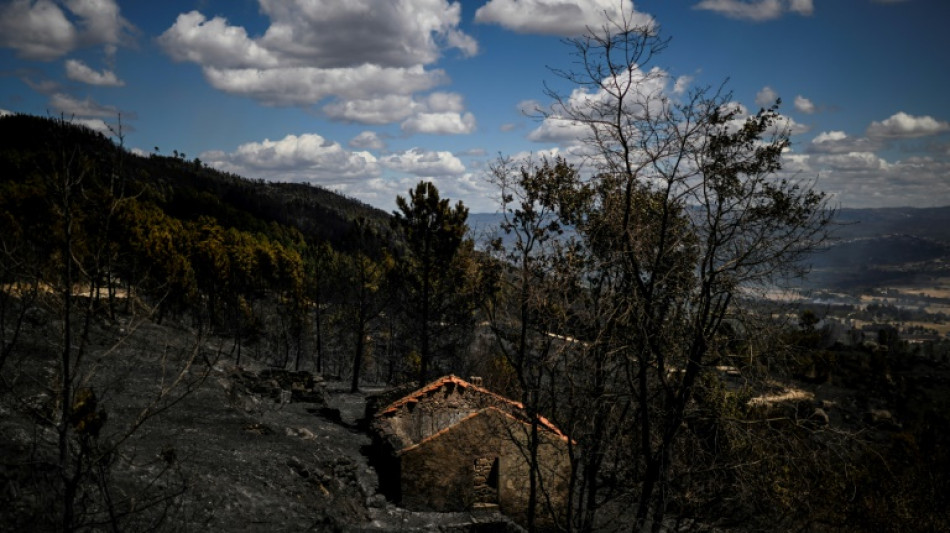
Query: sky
(367, 97)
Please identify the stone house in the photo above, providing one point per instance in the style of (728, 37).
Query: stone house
(456, 446)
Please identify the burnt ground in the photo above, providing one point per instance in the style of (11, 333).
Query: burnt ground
(231, 455)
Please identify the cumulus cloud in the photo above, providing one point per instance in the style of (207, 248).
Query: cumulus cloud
(393, 108)
(397, 33)
(78, 71)
(5, 113)
(782, 125)
(904, 126)
(424, 163)
(560, 131)
(311, 158)
(865, 179)
(529, 107)
(71, 106)
(757, 10)
(307, 85)
(367, 140)
(442, 102)
(837, 142)
(43, 31)
(364, 60)
(383, 110)
(558, 17)
(766, 97)
(101, 22)
(36, 31)
(804, 105)
(213, 42)
(95, 124)
(440, 123)
(382, 191)
(651, 88)
(307, 157)
(852, 161)
(682, 84)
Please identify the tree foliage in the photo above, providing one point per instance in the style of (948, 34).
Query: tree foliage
(432, 269)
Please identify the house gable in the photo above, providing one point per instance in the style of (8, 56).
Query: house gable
(440, 405)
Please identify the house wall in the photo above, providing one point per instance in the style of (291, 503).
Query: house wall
(439, 474)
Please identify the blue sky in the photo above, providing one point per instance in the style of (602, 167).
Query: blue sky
(367, 97)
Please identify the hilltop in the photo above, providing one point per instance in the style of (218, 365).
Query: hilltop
(184, 189)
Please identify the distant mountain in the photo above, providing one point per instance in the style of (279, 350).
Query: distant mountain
(868, 247)
(931, 223)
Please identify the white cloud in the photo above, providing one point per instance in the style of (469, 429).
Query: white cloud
(509, 126)
(367, 140)
(314, 159)
(440, 123)
(5, 113)
(651, 90)
(757, 10)
(424, 163)
(308, 85)
(802, 7)
(782, 125)
(766, 97)
(383, 110)
(36, 30)
(324, 34)
(804, 105)
(307, 157)
(95, 124)
(78, 71)
(791, 126)
(837, 142)
(71, 106)
(213, 42)
(682, 84)
(441, 102)
(395, 33)
(904, 126)
(529, 108)
(558, 17)
(559, 130)
(101, 21)
(41, 30)
(864, 179)
(367, 58)
(430, 114)
(852, 161)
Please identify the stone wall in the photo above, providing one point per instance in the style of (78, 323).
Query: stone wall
(433, 411)
(452, 470)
